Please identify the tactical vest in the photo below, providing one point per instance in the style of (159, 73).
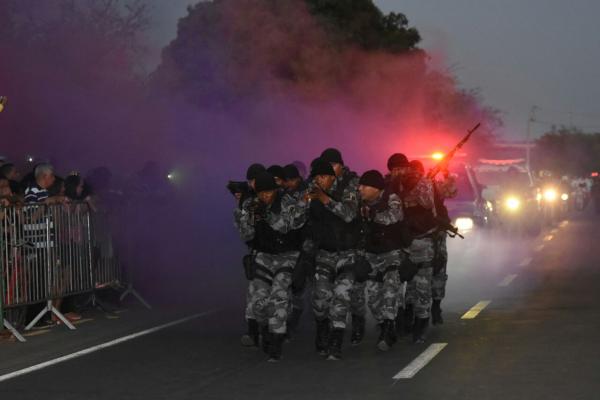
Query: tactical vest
(330, 232)
(268, 240)
(380, 238)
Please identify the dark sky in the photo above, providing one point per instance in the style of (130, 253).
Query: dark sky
(519, 53)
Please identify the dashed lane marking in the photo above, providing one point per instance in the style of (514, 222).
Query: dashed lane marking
(506, 281)
(476, 309)
(421, 361)
(548, 238)
(554, 231)
(105, 345)
(526, 262)
(563, 224)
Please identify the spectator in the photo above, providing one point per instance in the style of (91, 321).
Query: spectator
(10, 172)
(48, 191)
(38, 191)
(76, 189)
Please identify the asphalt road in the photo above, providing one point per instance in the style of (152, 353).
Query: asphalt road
(537, 338)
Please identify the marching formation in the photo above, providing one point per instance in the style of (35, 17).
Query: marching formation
(349, 242)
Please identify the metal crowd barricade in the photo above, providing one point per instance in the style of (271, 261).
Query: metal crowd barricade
(46, 254)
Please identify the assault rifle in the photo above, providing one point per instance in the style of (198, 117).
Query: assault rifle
(444, 161)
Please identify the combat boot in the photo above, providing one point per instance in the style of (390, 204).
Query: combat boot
(266, 338)
(399, 323)
(436, 313)
(336, 338)
(275, 346)
(420, 330)
(250, 338)
(358, 329)
(387, 335)
(322, 338)
(409, 318)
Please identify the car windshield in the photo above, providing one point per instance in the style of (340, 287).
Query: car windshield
(502, 178)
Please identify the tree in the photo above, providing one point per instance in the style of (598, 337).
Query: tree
(70, 69)
(567, 151)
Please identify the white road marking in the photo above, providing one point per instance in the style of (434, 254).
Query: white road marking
(539, 248)
(526, 262)
(93, 349)
(548, 238)
(563, 224)
(506, 281)
(554, 231)
(421, 361)
(476, 309)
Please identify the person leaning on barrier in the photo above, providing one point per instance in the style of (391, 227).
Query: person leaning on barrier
(271, 223)
(245, 194)
(335, 230)
(419, 211)
(381, 217)
(39, 190)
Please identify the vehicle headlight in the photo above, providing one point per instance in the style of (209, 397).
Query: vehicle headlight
(489, 205)
(464, 224)
(539, 197)
(564, 196)
(550, 195)
(513, 203)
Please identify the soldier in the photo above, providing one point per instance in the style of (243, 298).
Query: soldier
(296, 188)
(277, 172)
(335, 231)
(443, 189)
(419, 211)
(381, 214)
(345, 177)
(271, 222)
(398, 167)
(245, 197)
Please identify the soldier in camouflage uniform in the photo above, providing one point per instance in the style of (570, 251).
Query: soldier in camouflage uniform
(333, 214)
(381, 214)
(444, 189)
(419, 208)
(296, 187)
(271, 223)
(244, 199)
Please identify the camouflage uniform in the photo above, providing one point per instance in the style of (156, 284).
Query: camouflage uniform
(446, 189)
(332, 287)
(268, 291)
(383, 287)
(418, 290)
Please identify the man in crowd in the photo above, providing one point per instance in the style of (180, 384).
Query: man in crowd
(335, 228)
(271, 222)
(443, 189)
(419, 211)
(381, 215)
(244, 199)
